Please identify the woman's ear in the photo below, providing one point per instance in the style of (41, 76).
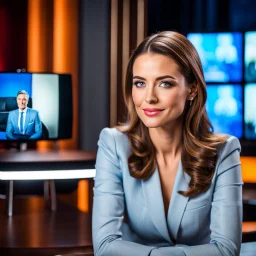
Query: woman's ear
(192, 91)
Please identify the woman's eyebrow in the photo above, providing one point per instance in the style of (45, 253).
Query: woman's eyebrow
(138, 77)
(164, 77)
(158, 78)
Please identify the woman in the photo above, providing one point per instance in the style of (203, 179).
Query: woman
(165, 183)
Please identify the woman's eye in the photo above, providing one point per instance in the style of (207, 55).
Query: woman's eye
(165, 84)
(139, 84)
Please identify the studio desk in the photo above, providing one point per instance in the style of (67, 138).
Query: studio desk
(27, 227)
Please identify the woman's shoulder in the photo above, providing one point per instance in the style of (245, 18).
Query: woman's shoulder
(115, 141)
(231, 144)
(112, 133)
(113, 136)
(232, 140)
(229, 154)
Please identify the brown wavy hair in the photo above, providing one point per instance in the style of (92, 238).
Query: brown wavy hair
(199, 143)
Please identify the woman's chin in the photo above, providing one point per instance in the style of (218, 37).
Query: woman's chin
(151, 125)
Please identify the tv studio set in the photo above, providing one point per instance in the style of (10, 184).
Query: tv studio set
(92, 163)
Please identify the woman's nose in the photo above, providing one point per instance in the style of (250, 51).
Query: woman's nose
(151, 97)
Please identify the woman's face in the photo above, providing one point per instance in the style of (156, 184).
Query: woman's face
(159, 91)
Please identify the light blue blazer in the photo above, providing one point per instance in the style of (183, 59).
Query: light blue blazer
(205, 225)
(32, 127)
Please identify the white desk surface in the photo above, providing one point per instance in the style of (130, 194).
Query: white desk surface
(27, 158)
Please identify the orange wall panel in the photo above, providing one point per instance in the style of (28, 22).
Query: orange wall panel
(53, 47)
(248, 169)
(65, 53)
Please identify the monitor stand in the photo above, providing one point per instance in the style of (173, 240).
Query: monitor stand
(23, 146)
(56, 145)
(20, 145)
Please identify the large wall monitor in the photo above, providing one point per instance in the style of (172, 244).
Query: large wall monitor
(50, 102)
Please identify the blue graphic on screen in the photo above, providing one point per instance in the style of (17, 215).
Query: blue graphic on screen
(224, 108)
(250, 56)
(221, 55)
(11, 83)
(250, 111)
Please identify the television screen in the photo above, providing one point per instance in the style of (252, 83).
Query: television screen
(250, 56)
(250, 111)
(35, 106)
(225, 109)
(221, 55)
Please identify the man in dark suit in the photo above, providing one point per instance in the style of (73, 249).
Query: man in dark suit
(23, 123)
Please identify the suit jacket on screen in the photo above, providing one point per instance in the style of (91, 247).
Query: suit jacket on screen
(207, 224)
(32, 127)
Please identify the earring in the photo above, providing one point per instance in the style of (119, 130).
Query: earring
(191, 101)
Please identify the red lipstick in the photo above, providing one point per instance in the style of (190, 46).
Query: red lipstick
(152, 111)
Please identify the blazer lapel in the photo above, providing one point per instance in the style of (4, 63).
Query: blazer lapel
(16, 120)
(178, 202)
(153, 193)
(27, 119)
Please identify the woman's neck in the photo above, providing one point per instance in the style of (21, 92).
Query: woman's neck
(166, 141)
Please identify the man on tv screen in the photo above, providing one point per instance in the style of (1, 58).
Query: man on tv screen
(23, 123)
